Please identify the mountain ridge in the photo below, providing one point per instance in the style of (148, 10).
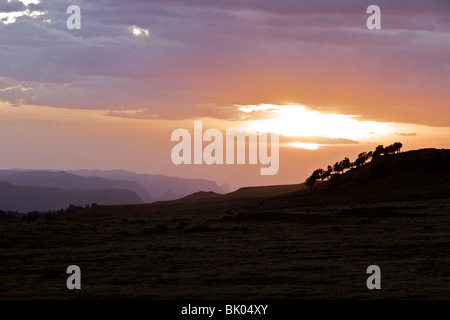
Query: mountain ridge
(30, 198)
(144, 186)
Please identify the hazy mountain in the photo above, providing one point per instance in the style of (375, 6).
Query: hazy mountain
(82, 187)
(26, 198)
(159, 186)
(65, 180)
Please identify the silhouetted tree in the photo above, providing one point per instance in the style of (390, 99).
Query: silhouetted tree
(362, 158)
(326, 174)
(389, 149)
(337, 167)
(310, 182)
(333, 172)
(345, 164)
(397, 146)
(379, 150)
(319, 173)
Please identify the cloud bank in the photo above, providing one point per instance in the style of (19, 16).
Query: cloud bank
(184, 59)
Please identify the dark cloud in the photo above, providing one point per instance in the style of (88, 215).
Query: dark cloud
(11, 6)
(144, 114)
(297, 7)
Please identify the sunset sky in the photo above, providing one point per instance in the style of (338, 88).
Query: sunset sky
(109, 96)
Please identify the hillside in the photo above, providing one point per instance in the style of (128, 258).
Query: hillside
(246, 193)
(161, 187)
(26, 198)
(148, 188)
(413, 175)
(65, 180)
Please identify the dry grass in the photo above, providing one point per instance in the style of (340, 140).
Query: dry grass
(234, 253)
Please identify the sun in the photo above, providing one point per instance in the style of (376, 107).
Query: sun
(297, 121)
(307, 146)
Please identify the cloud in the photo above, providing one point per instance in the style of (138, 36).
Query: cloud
(12, 10)
(11, 6)
(316, 140)
(16, 95)
(406, 134)
(204, 57)
(302, 7)
(144, 114)
(135, 30)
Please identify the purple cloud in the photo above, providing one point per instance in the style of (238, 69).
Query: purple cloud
(203, 57)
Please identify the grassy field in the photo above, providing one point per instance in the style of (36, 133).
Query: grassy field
(228, 252)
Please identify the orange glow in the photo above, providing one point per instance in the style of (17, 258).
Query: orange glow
(307, 146)
(297, 121)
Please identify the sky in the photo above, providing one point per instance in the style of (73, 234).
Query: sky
(109, 95)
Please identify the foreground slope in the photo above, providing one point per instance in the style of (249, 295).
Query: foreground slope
(255, 243)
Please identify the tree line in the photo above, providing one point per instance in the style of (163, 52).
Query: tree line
(332, 173)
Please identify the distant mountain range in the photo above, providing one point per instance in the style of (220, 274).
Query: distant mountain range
(29, 198)
(160, 187)
(28, 190)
